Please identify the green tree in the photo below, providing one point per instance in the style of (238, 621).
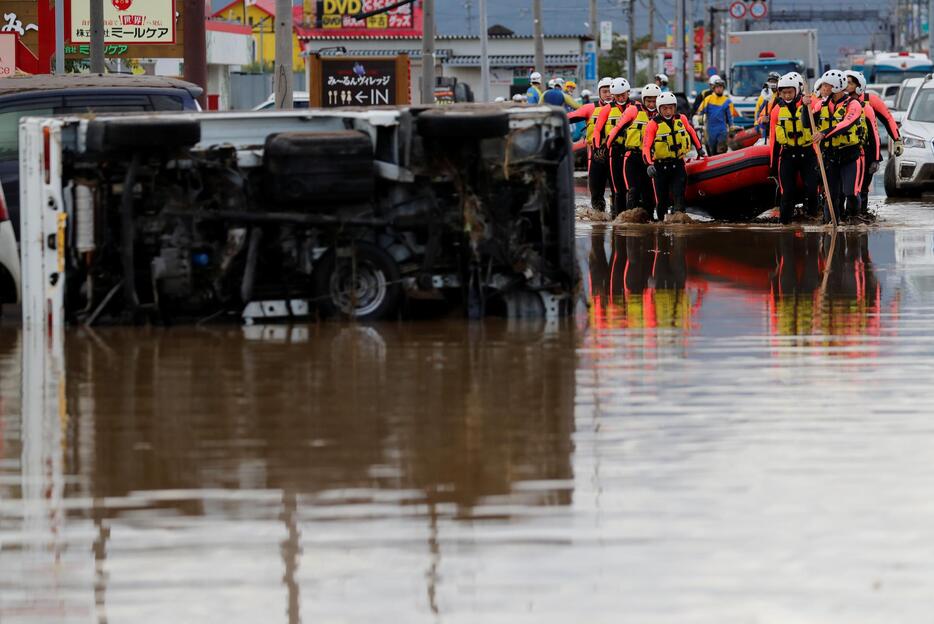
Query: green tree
(614, 63)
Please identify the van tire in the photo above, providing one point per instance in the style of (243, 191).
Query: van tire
(463, 124)
(130, 135)
(378, 284)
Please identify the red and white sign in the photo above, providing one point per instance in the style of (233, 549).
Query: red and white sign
(738, 10)
(336, 18)
(758, 10)
(7, 54)
(125, 21)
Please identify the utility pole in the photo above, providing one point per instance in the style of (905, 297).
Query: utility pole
(428, 52)
(60, 38)
(678, 34)
(688, 61)
(97, 36)
(196, 55)
(282, 78)
(594, 35)
(652, 70)
(539, 36)
(930, 27)
(485, 55)
(630, 42)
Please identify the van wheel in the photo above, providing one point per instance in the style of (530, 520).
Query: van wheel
(463, 124)
(122, 135)
(363, 284)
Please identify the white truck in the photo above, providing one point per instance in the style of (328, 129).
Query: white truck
(752, 55)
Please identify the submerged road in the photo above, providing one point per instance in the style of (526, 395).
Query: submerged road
(736, 430)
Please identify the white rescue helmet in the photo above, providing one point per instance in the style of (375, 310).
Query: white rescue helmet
(802, 83)
(714, 78)
(552, 84)
(662, 78)
(518, 98)
(859, 78)
(559, 81)
(651, 90)
(619, 86)
(586, 93)
(666, 98)
(717, 80)
(535, 78)
(604, 82)
(835, 79)
(500, 99)
(789, 81)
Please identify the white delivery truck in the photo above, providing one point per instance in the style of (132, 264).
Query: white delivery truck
(752, 55)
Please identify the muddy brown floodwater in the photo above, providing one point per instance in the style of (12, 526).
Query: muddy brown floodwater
(737, 429)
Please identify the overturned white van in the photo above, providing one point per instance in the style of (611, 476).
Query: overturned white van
(356, 213)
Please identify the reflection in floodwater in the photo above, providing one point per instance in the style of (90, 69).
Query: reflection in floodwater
(283, 428)
(810, 283)
(744, 418)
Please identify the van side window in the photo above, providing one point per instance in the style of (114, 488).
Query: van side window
(167, 103)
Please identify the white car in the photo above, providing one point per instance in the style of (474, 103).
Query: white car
(908, 88)
(913, 172)
(888, 92)
(299, 100)
(9, 257)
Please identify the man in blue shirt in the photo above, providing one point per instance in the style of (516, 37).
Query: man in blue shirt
(534, 94)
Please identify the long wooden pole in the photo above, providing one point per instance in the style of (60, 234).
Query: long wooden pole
(823, 172)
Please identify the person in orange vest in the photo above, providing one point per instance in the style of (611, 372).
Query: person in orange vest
(842, 132)
(598, 166)
(632, 125)
(668, 139)
(872, 152)
(607, 122)
(792, 153)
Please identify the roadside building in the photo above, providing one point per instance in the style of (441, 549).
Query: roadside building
(458, 56)
(261, 18)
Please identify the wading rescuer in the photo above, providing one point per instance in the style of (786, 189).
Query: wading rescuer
(534, 94)
(703, 94)
(719, 112)
(767, 99)
(608, 120)
(668, 139)
(841, 131)
(872, 152)
(597, 160)
(792, 151)
(632, 124)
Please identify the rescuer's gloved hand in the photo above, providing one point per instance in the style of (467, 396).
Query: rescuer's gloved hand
(898, 148)
(873, 167)
(701, 153)
(650, 170)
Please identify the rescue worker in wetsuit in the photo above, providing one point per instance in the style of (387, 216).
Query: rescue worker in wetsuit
(767, 99)
(719, 112)
(872, 147)
(792, 151)
(555, 95)
(668, 139)
(606, 123)
(841, 131)
(534, 93)
(632, 126)
(598, 166)
(703, 94)
(586, 111)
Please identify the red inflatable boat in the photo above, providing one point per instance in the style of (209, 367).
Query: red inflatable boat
(734, 184)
